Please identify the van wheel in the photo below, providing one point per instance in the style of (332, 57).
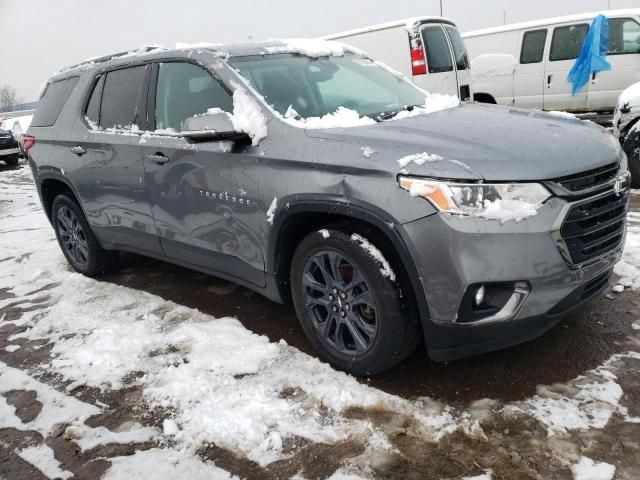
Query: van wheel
(349, 309)
(631, 147)
(79, 245)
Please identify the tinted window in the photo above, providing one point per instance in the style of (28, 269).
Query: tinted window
(533, 46)
(460, 51)
(624, 36)
(51, 103)
(567, 41)
(121, 98)
(93, 107)
(437, 48)
(185, 90)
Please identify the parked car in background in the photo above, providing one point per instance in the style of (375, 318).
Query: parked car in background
(428, 50)
(626, 126)
(18, 126)
(9, 148)
(312, 174)
(526, 64)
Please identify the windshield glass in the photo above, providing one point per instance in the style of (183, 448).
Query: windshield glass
(460, 51)
(315, 87)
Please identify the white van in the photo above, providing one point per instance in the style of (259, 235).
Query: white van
(428, 50)
(526, 64)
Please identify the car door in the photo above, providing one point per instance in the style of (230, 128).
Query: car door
(203, 195)
(528, 81)
(624, 56)
(441, 72)
(110, 178)
(566, 42)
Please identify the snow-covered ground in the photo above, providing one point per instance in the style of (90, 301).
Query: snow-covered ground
(213, 382)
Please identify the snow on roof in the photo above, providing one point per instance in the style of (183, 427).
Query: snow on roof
(408, 23)
(311, 47)
(551, 21)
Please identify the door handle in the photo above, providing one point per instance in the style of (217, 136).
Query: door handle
(158, 158)
(78, 150)
(549, 78)
(593, 77)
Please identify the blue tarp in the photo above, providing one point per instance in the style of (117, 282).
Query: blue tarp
(593, 54)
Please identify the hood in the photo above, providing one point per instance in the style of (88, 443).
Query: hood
(488, 142)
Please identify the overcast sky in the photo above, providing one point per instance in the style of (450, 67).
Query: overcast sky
(39, 37)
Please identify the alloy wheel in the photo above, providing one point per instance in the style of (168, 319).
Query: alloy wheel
(73, 236)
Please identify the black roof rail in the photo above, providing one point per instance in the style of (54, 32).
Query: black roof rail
(106, 58)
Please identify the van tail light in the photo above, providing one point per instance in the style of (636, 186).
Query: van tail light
(28, 141)
(418, 62)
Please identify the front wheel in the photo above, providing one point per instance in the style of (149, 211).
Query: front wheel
(79, 245)
(349, 303)
(631, 147)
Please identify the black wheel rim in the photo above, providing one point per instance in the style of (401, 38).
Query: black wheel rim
(72, 236)
(340, 303)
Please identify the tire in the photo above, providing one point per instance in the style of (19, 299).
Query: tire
(358, 326)
(631, 147)
(12, 161)
(77, 241)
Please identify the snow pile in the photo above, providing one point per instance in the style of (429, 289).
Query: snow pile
(313, 48)
(587, 469)
(493, 65)
(247, 116)
(343, 117)
(42, 457)
(376, 254)
(419, 159)
(434, 102)
(271, 213)
(160, 464)
(88, 438)
(506, 210)
(629, 267)
(629, 96)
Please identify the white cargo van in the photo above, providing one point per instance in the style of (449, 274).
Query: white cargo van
(526, 64)
(428, 50)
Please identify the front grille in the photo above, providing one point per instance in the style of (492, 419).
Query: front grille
(589, 179)
(594, 228)
(595, 286)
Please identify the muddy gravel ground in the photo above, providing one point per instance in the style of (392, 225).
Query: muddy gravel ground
(506, 443)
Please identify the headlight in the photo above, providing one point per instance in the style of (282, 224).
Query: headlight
(474, 198)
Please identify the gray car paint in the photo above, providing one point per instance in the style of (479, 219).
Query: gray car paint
(187, 211)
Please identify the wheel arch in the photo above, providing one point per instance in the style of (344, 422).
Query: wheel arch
(301, 217)
(483, 97)
(51, 185)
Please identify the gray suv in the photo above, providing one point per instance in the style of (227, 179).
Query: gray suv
(314, 175)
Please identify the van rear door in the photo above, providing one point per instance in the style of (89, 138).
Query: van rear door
(440, 74)
(463, 66)
(624, 57)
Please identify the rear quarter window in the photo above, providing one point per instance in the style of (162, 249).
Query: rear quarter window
(51, 103)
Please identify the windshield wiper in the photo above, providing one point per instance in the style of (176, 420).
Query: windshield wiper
(392, 113)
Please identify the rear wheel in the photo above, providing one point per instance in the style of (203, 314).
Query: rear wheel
(79, 245)
(348, 305)
(631, 146)
(12, 161)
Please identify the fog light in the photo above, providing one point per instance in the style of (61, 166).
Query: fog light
(479, 296)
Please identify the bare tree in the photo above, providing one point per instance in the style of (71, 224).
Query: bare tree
(8, 98)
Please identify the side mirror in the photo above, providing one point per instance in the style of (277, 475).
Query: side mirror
(215, 125)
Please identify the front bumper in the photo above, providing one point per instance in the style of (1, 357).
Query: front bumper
(9, 151)
(452, 253)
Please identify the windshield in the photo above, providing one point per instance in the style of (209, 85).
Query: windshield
(304, 87)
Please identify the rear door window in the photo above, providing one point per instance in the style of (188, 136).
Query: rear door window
(51, 103)
(93, 107)
(459, 49)
(437, 49)
(624, 36)
(533, 46)
(185, 90)
(121, 98)
(567, 42)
